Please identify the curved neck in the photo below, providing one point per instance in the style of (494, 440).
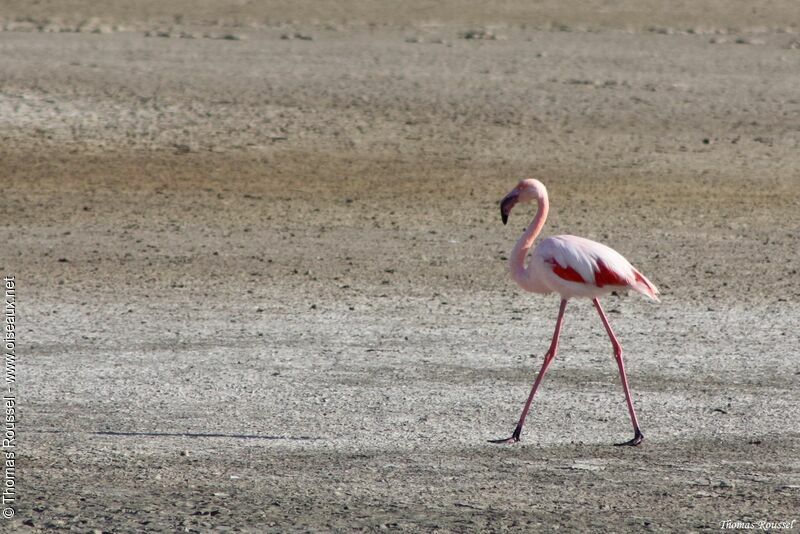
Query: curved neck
(524, 244)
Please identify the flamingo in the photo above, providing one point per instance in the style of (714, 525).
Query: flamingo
(572, 267)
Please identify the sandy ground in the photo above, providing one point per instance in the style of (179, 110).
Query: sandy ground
(262, 278)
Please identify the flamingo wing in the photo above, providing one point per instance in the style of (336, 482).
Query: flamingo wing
(591, 265)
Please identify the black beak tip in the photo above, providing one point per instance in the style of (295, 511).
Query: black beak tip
(506, 205)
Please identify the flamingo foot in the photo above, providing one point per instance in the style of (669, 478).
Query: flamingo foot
(513, 439)
(637, 439)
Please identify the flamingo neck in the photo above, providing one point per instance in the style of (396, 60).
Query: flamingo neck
(525, 242)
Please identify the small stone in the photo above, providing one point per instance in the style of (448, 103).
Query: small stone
(748, 41)
(485, 35)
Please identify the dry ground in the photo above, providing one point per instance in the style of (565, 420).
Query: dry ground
(262, 277)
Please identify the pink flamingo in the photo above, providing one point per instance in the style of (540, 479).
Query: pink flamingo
(572, 267)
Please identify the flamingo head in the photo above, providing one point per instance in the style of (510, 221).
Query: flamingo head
(525, 191)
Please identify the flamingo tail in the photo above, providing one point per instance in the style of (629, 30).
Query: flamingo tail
(645, 286)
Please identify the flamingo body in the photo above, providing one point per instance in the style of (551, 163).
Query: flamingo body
(577, 267)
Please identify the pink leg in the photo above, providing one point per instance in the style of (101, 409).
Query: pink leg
(548, 358)
(638, 436)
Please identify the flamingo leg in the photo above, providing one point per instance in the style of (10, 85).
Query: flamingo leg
(638, 436)
(548, 358)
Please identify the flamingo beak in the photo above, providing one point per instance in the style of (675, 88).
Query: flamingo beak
(508, 202)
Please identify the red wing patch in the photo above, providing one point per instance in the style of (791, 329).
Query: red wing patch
(567, 273)
(607, 277)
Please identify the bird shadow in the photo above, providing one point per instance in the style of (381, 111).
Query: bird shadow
(188, 435)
